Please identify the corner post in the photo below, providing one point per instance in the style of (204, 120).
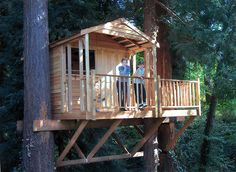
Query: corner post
(81, 73)
(87, 71)
(154, 56)
(69, 77)
(198, 96)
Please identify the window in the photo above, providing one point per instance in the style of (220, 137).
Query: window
(75, 60)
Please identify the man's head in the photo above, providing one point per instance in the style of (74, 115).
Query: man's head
(124, 61)
(141, 64)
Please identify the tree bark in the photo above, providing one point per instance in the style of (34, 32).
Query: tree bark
(205, 148)
(155, 28)
(37, 147)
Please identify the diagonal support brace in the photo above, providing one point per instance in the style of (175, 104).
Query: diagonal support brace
(72, 141)
(172, 143)
(149, 134)
(103, 139)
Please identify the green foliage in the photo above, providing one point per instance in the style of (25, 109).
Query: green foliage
(11, 81)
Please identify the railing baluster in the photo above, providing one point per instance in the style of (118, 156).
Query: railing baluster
(137, 95)
(110, 91)
(190, 94)
(128, 94)
(119, 92)
(174, 89)
(105, 90)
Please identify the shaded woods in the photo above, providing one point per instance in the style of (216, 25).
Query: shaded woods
(202, 41)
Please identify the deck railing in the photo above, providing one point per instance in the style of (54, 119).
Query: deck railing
(179, 93)
(102, 93)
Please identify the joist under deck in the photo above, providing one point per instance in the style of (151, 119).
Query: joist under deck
(146, 113)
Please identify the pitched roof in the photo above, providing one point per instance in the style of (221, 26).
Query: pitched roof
(119, 28)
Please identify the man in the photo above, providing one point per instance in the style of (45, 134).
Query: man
(122, 83)
(139, 87)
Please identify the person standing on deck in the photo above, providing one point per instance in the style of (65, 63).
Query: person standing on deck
(122, 83)
(139, 86)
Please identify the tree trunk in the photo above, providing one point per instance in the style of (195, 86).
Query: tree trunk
(150, 160)
(37, 147)
(205, 148)
(155, 28)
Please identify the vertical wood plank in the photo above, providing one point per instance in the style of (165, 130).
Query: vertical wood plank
(63, 78)
(147, 74)
(174, 87)
(178, 94)
(193, 94)
(198, 96)
(86, 43)
(69, 77)
(81, 69)
(159, 96)
(110, 91)
(93, 98)
(190, 94)
(155, 79)
(105, 90)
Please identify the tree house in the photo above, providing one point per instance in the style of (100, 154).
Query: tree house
(84, 90)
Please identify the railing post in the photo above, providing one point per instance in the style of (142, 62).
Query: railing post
(69, 66)
(63, 80)
(86, 46)
(159, 96)
(198, 96)
(81, 73)
(93, 96)
(155, 79)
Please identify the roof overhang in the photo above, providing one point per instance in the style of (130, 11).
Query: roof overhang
(119, 30)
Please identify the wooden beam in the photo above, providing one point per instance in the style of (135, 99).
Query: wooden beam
(63, 77)
(179, 133)
(139, 130)
(149, 39)
(72, 141)
(149, 133)
(198, 96)
(156, 87)
(81, 74)
(180, 112)
(103, 139)
(87, 71)
(69, 66)
(122, 41)
(116, 138)
(93, 95)
(98, 159)
(58, 125)
(79, 151)
(120, 34)
(135, 43)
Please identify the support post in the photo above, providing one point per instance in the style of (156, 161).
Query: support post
(154, 56)
(81, 73)
(69, 77)
(87, 71)
(198, 96)
(63, 78)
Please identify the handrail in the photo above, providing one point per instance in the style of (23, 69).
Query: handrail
(171, 93)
